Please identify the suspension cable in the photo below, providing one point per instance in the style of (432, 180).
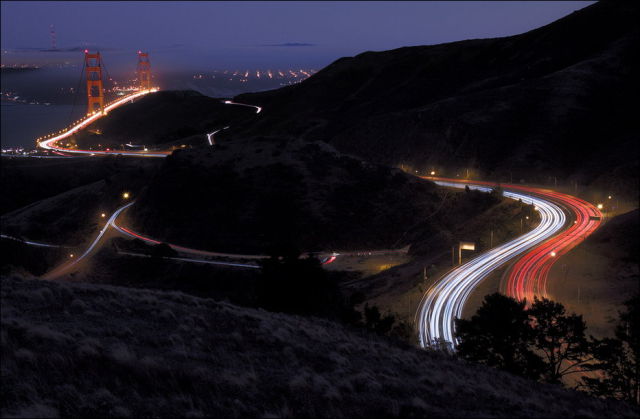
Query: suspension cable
(107, 73)
(75, 94)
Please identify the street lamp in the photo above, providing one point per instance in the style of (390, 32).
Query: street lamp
(103, 215)
(600, 206)
(125, 195)
(433, 173)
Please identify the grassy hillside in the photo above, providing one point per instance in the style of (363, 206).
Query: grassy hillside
(26, 181)
(254, 196)
(268, 193)
(556, 101)
(86, 350)
(597, 277)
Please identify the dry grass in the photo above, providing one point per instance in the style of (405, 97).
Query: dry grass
(89, 350)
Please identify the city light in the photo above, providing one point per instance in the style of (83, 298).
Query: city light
(433, 173)
(553, 254)
(600, 206)
(125, 195)
(103, 215)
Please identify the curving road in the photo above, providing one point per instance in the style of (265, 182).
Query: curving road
(65, 267)
(537, 250)
(230, 102)
(527, 278)
(50, 142)
(444, 301)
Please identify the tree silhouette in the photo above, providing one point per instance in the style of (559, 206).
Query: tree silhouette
(374, 321)
(298, 285)
(499, 335)
(560, 338)
(617, 359)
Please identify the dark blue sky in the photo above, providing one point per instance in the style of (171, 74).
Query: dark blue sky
(228, 34)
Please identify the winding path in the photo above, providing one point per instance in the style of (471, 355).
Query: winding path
(445, 300)
(539, 249)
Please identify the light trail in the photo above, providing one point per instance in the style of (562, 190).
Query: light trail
(50, 143)
(59, 270)
(30, 243)
(444, 301)
(130, 233)
(210, 137)
(191, 260)
(230, 102)
(11, 156)
(528, 276)
(326, 258)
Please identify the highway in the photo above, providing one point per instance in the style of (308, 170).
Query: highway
(444, 301)
(528, 276)
(257, 108)
(50, 142)
(325, 257)
(65, 267)
(537, 249)
(29, 242)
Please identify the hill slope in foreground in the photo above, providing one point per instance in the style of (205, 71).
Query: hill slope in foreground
(86, 350)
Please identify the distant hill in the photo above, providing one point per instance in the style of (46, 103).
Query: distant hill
(254, 197)
(560, 100)
(80, 350)
(267, 193)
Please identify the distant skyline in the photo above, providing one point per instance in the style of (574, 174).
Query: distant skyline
(226, 34)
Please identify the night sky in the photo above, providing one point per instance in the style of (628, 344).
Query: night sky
(219, 34)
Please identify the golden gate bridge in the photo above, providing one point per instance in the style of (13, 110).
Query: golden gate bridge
(97, 108)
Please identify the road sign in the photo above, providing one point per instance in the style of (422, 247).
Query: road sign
(467, 246)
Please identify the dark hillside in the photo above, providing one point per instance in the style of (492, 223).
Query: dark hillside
(110, 351)
(253, 197)
(603, 272)
(266, 193)
(556, 101)
(165, 117)
(26, 181)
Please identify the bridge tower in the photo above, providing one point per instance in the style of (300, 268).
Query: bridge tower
(95, 92)
(144, 70)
